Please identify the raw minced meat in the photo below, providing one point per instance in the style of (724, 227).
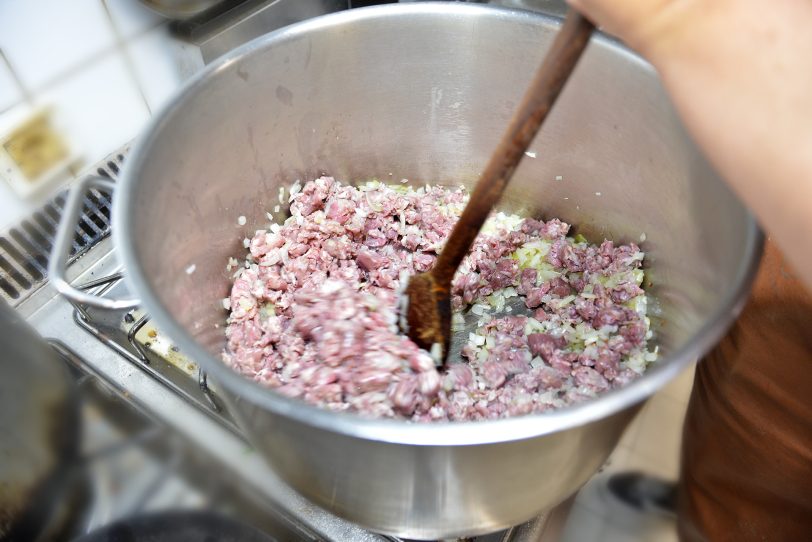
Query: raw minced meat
(313, 313)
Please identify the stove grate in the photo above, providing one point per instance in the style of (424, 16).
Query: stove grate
(26, 246)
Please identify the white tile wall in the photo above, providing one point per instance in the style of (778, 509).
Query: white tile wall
(660, 434)
(104, 65)
(43, 39)
(160, 65)
(10, 92)
(11, 209)
(130, 17)
(100, 107)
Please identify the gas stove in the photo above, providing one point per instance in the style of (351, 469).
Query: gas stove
(157, 432)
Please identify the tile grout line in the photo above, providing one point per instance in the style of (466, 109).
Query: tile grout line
(121, 45)
(27, 96)
(12, 106)
(86, 63)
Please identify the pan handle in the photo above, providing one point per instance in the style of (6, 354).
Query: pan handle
(57, 266)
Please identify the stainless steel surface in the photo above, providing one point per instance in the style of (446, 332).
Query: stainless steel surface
(251, 19)
(57, 265)
(422, 91)
(550, 7)
(557, 8)
(180, 9)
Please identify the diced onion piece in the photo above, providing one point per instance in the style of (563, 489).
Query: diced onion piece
(476, 339)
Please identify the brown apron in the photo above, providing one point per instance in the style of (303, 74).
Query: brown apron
(747, 442)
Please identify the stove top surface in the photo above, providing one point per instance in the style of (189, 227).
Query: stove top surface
(158, 434)
(168, 438)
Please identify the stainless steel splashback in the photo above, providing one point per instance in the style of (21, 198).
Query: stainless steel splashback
(217, 35)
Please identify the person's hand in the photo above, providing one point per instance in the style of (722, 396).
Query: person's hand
(740, 74)
(629, 20)
(652, 26)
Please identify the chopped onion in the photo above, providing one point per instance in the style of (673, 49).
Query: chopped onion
(476, 339)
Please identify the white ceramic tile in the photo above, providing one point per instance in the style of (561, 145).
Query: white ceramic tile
(12, 117)
(10, 93)
(46, 38)
(660, 434)
(101, 108)
(680, 387)
(12, 207)
(657, 445)
(583, 525)
(161, 65)
(130, 17)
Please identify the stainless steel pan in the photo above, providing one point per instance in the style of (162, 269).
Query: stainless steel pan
(423, 91)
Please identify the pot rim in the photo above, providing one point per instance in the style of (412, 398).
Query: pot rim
(388, 430)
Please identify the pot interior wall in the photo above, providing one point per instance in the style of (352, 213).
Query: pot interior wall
(426, 98)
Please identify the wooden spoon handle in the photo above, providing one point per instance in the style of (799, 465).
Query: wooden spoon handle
(550, 78)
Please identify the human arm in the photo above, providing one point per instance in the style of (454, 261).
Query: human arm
(740, 74)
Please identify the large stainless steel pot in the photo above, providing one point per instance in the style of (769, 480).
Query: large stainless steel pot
(423, 91)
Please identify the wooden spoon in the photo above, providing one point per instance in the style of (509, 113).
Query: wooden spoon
(428, 312)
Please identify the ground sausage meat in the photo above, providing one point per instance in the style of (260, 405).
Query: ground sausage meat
(313, 312)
